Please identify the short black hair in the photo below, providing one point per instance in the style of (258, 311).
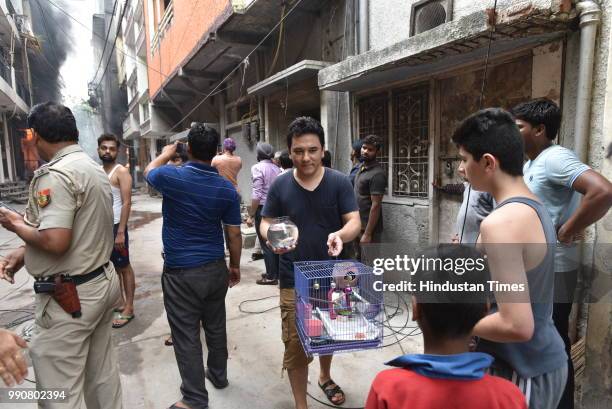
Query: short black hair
(305, 125)
(372, 140)
(357, 146)
(54, 123)
(540, 111)
(203, 141)
(492, 131)
(451, 314)
(108, 137)
(327, 159)
(285, 160)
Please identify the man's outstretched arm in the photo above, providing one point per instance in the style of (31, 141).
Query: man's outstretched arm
(597, 200)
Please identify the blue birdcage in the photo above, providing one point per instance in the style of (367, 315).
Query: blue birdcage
(337, 308)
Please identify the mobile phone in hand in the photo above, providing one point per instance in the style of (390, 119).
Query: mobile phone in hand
(2, 204)
(181, 148)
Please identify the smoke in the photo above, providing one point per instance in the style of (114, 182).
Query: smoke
(53, 30)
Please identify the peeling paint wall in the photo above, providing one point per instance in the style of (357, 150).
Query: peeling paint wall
(597, 384)
(507, 85)
(406, 224)
(390, 19)
(389, 22)
(547, 70)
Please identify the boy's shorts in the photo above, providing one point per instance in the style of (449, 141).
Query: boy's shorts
(121, 258)
(294, 357)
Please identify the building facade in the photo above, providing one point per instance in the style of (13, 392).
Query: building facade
(133, 77)
(105, 88)
(420, 69)
(407, 71)
(18, 158)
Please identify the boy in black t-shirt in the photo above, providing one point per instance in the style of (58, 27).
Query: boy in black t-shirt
(320, 201)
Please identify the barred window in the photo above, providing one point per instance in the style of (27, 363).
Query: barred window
(405, 149)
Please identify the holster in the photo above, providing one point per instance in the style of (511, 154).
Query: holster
(67, 296)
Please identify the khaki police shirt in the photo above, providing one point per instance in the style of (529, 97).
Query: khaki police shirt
(71, 192)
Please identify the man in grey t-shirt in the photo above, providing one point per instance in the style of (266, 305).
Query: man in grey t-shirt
(475, 207)
(575, 197)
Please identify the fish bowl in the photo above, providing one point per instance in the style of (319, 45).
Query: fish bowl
(282, 233)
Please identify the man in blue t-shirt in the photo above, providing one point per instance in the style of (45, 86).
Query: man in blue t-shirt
(575, 197)
(320, 201)
(197, 204)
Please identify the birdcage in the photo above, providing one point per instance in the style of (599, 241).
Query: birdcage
(337, 308)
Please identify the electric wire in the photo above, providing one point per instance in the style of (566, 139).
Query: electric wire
(110, 54)
(401, 307)
(135, 59)
(480, 105)
(110, 25)
(259, 44)
(216, 88)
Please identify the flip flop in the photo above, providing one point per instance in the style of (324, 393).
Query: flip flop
(332, 392)
(126, 318)
(117, 309)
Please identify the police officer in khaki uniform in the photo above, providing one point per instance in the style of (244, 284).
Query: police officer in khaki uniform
(68, 230)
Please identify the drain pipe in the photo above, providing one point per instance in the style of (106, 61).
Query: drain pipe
(364, 23)
(590, 15)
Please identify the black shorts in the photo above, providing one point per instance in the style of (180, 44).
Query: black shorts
(121, 258)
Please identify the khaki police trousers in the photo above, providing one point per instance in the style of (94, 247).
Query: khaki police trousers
(77, 354)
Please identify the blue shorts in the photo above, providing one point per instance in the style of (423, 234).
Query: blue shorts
(121, 258)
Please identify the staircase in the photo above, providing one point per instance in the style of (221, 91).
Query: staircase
(16, 192)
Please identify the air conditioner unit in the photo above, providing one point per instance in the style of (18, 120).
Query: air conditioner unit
(428, 14)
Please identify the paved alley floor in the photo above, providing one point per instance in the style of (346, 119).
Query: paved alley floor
(149, 374)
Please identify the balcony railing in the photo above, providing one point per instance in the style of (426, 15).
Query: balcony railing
(22, 90)
(140, 40)
(163, 26)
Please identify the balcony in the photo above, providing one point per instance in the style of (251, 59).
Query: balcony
(165, 22)
(7, 23)
(139, 10)
(128, 33)
(155, 126)
(141, 50)
(131, 129)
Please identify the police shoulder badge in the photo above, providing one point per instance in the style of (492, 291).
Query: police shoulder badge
(44, 197)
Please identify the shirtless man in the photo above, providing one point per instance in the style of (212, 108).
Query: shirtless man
(121, 186)
(519, 240)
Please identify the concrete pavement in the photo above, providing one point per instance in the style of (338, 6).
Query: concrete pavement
(148, 369)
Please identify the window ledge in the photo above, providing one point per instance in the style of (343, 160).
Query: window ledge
(406, 201)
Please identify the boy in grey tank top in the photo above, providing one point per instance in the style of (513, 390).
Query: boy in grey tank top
(518, 238)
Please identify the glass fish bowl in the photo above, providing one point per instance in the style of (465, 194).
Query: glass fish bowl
(283, 233)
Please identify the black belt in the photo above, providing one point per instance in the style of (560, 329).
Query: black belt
(82, 279)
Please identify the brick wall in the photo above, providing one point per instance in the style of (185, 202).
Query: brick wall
(192, 22)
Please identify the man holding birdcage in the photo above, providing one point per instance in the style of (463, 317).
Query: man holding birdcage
(320, 201)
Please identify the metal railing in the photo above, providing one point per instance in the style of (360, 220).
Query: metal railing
(163, 26)
(22, 90)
